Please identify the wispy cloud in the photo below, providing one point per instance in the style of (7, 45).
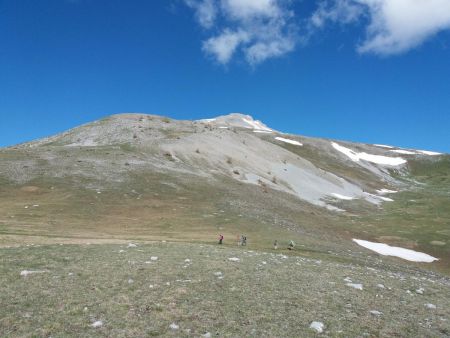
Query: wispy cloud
(205, 11)
(257, 29)
(337, 11)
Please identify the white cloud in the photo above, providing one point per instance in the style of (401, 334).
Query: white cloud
(342, 11)
(223, 46)
(399, 25)
(395, 26)
(205, 11)
(244, 9)
(261, 51)
(258, 29)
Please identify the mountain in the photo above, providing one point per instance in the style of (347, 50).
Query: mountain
(150, 177)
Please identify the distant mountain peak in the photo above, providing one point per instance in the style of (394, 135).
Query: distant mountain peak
(238, 120)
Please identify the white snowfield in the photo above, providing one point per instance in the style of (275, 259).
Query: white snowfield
(286, 140)
(263, 131)
(415, 152)
(386, 191)
(342, 197)
(405, 152)
(378, 159)
(408, 152)
(387, 250)
(238, 120)
(376, 197)
(427, 152)
(257, 125)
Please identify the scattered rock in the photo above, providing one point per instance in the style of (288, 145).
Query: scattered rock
(25, 273)
(154, 258)
(439, 243)
(174, 326)
(97, 324)
(376, 313)
(131, 245)
(430, 306)
(234, 259)
(380, 286)
(317, 326)
(355, 286)
(206, 335)
(420, 291)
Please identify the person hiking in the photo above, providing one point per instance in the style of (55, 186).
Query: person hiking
(275, 244)
(244, 240)
(291, 245)
(220, 239)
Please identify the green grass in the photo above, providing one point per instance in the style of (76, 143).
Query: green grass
(84, 283)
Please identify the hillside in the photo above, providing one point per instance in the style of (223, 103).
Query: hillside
(151, 177)
(143, 186)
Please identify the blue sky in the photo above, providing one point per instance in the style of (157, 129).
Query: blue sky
(357, 70)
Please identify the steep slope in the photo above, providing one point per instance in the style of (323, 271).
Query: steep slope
(154, 177)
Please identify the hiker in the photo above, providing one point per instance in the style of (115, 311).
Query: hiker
(275, 244)
(220, 239)
(244, 240)
(291, 245)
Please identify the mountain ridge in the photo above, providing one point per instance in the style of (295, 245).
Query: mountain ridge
(310, 185)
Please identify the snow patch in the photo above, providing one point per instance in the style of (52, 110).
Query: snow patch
(405, 152)
(386, 191)
(378, 159)
(234, 259)
(154, 258)
(380, 198)
(342, 197)
(387, 250)
(383, 146)
(286, 140)
(431, 153)
(257, 125)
